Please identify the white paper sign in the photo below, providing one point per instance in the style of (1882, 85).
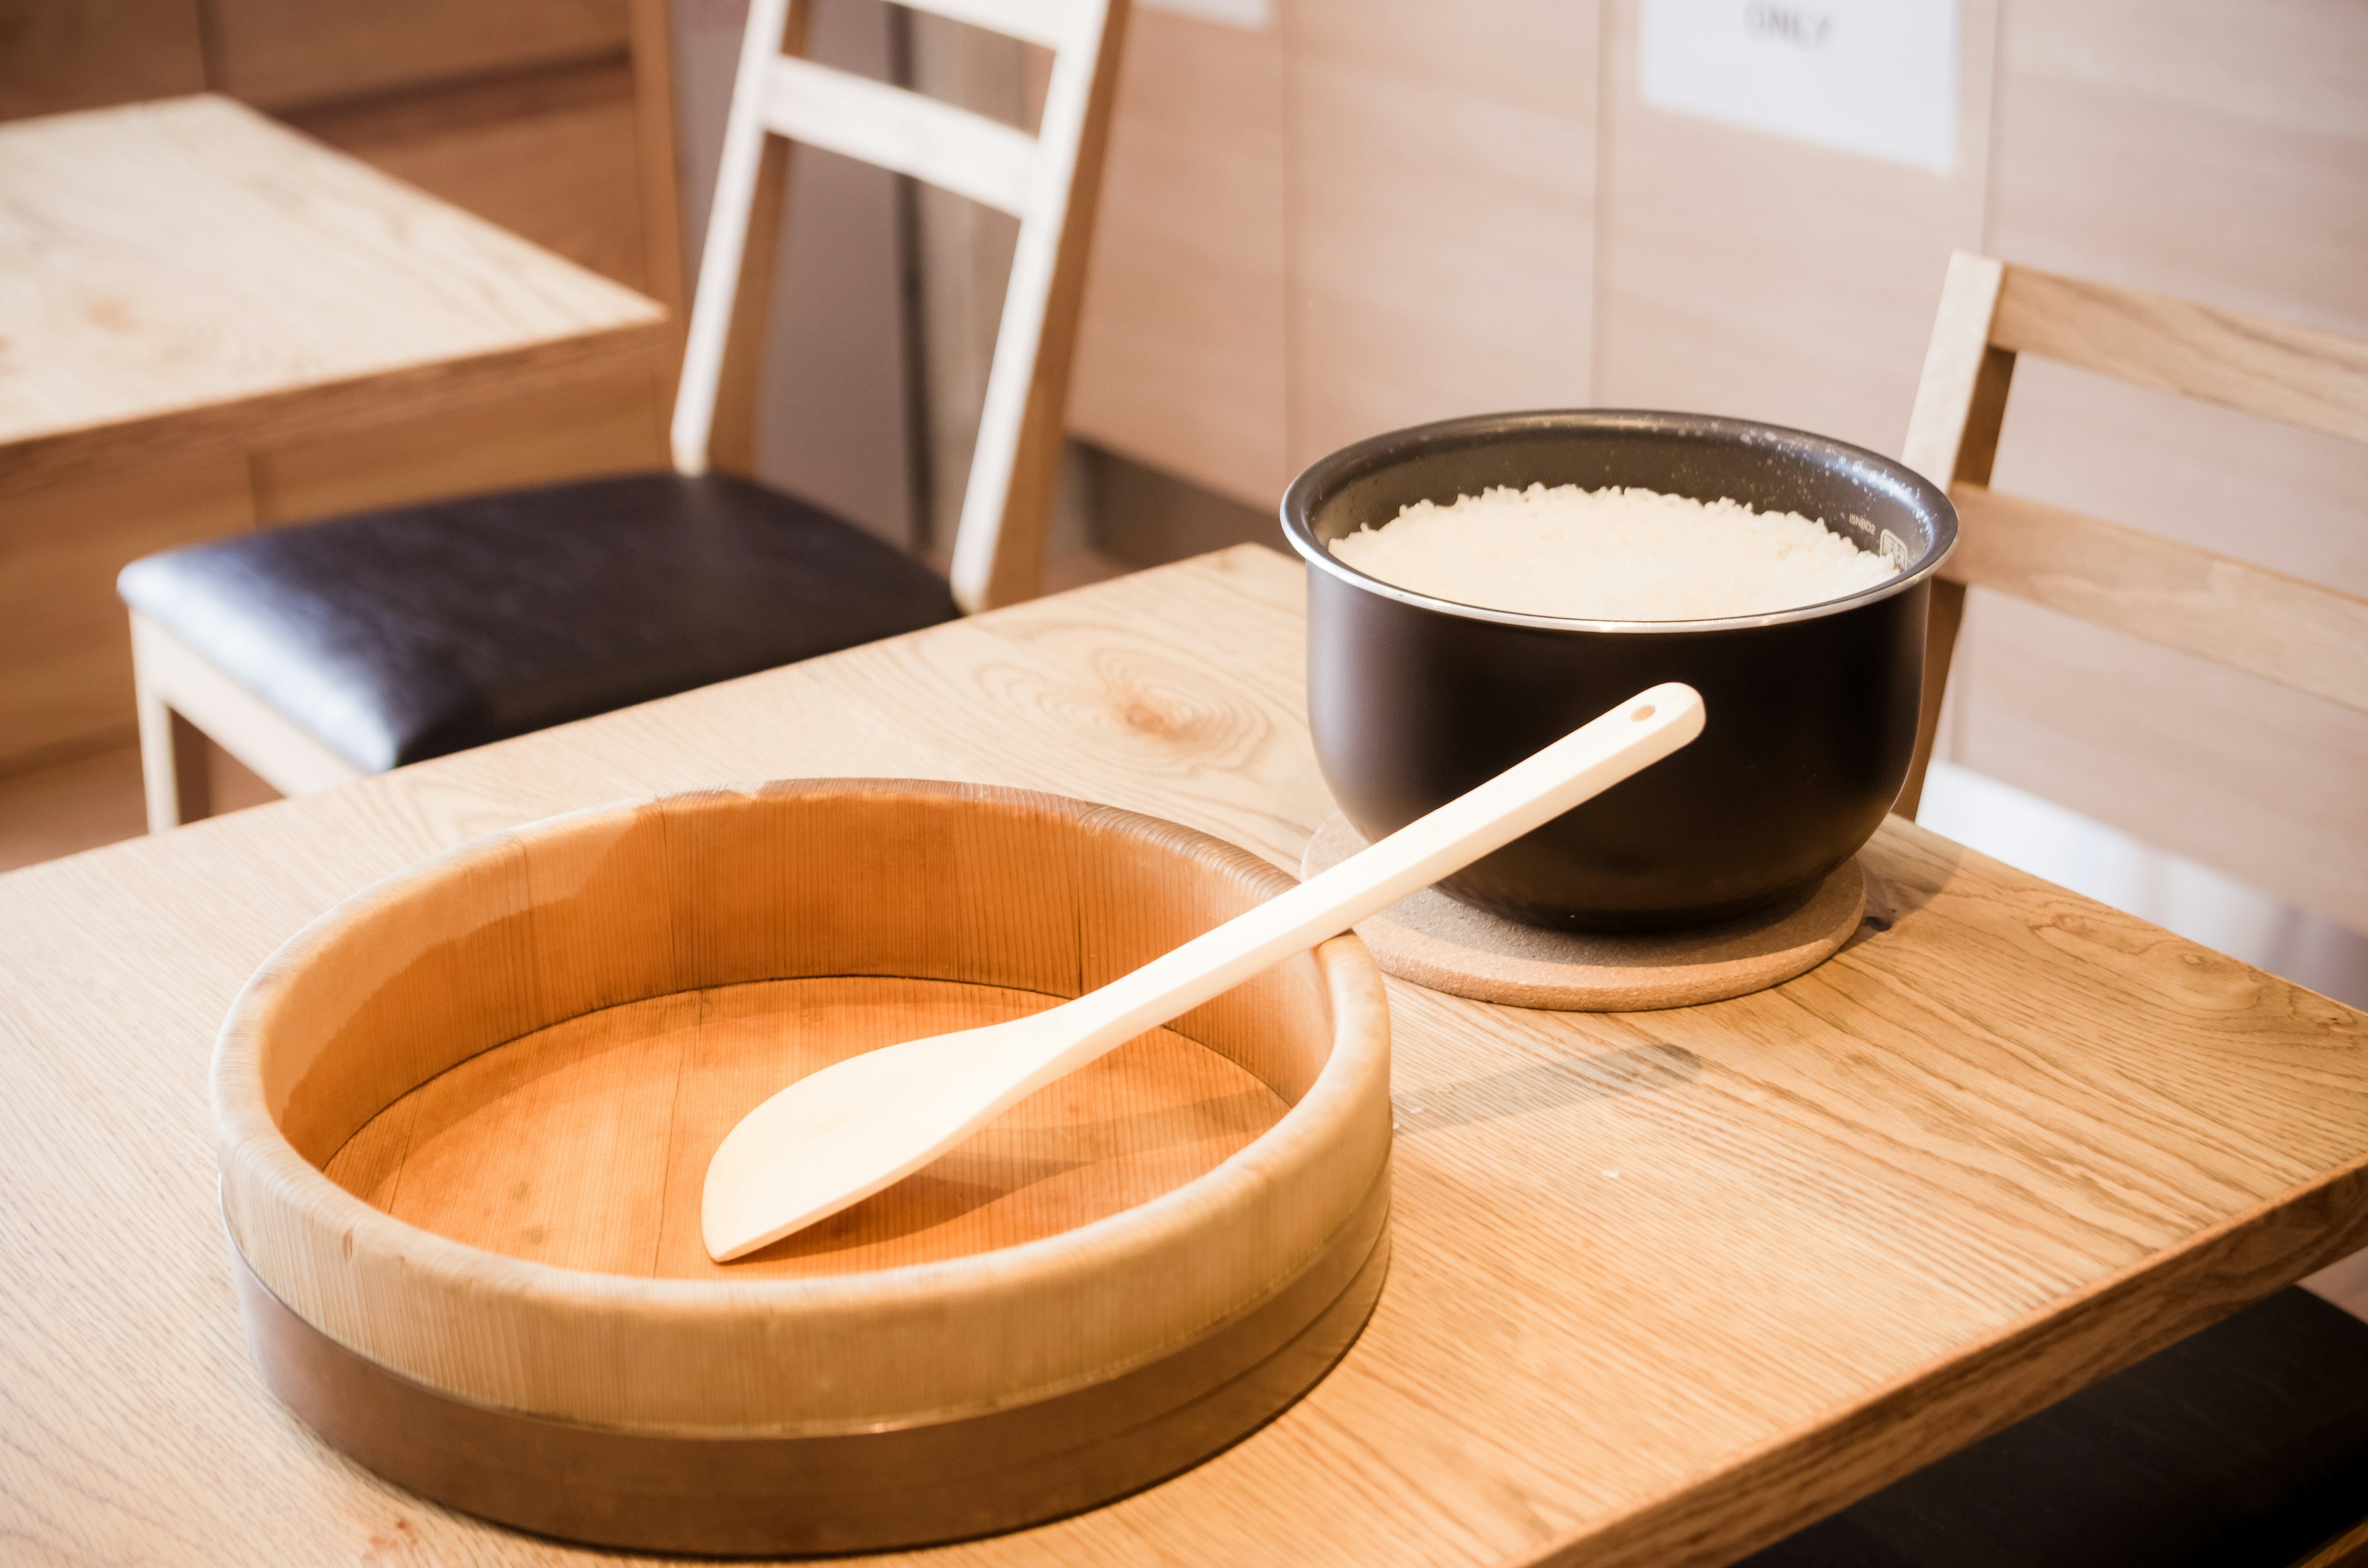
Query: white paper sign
(1877, 77)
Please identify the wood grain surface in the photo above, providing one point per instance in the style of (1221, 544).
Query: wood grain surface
(584, 1145)
(1664, 1287)
(186, 277)
(621, 927)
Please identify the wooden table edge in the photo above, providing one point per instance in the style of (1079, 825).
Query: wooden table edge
(332, 407)
(1984, 1387)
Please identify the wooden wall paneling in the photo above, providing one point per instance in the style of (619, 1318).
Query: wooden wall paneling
(833, 293)
(230, 784)
(663, 258)
(829, 409)
(2214, 155)
(550, 155)
(1180, 358)
(56, 56)
(66, 656)
(2204, 150)
(68, 807)
(610, 425)
(280, 53)
(2256, 780)
(962, 251)
(1018, 464)
(1747, 274)
(1144, 517)
(1442, 186)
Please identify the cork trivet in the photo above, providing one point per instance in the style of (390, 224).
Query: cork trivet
(1435, 941)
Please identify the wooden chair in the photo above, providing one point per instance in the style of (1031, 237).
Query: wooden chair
(2245, 1444)
(2297, 633)
(321, 653)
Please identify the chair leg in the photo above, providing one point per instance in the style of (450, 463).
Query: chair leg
(171, 765)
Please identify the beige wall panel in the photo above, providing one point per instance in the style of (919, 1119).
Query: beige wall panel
(550, 157)
(66, 648)
(613, 425)
(2213, 152)
(831, 404)
(56, 55)
(1745, 274)
(831, 411)
(963, 253)
(2265, 784)
(281, 53)
(1442, 189)
(2202, 149)
(2290, 499)
(1180, 353)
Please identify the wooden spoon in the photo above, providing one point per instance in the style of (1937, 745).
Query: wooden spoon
(837, 1136)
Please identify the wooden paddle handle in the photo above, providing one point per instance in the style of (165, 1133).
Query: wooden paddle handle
(1580, 766)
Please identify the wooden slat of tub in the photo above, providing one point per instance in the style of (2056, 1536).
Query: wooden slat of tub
(1664, 1284)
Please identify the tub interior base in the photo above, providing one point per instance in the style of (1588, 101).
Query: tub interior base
(585, 1144)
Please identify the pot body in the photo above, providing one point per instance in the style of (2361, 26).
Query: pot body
(1812, 713)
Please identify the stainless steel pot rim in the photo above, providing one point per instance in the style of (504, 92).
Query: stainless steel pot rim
(1327, 473)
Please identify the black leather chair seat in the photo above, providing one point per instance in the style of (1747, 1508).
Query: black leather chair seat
(399, 635)
(2244, 1446)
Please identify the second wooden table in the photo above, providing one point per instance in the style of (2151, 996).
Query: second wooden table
(212, 323)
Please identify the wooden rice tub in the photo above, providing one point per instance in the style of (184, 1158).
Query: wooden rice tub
(464, 1118)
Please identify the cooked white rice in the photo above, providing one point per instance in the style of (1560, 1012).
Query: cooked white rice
(1612, 554)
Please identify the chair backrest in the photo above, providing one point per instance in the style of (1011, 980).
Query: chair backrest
(1048, 181)
(2300, 635)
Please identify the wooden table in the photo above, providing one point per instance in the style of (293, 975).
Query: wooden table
(209, 322)
(1666, 1285)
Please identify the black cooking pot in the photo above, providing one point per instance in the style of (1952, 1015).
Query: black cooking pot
(1812, 711)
